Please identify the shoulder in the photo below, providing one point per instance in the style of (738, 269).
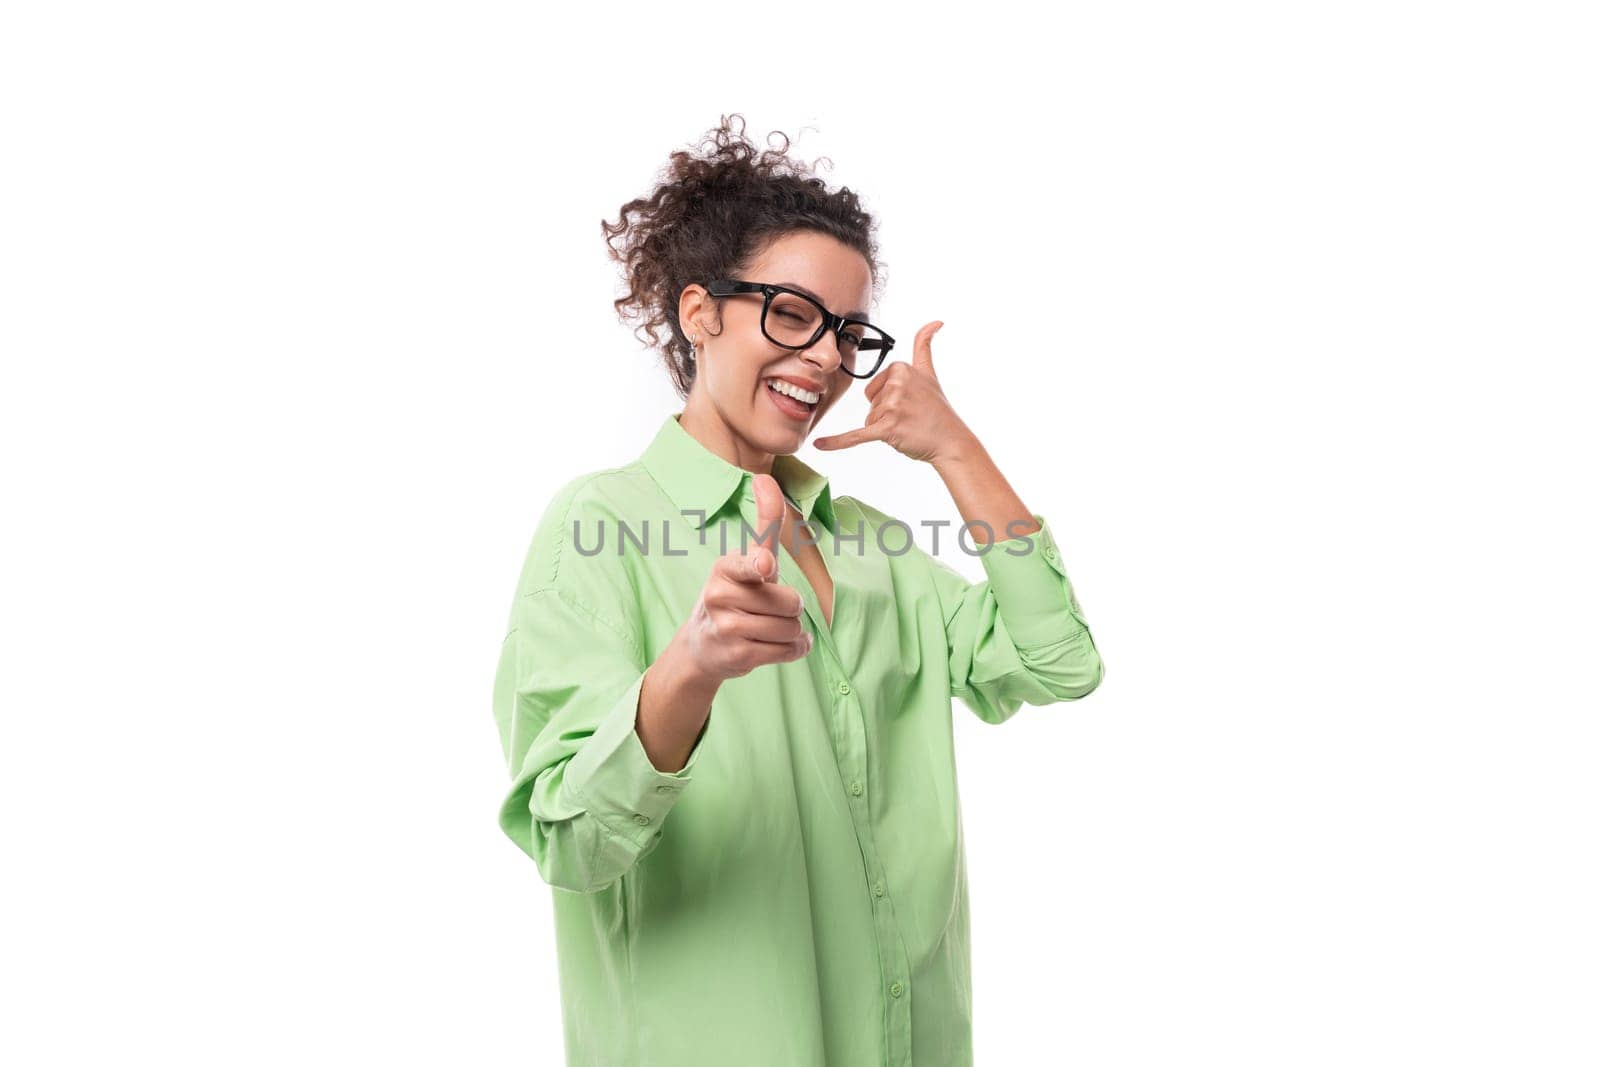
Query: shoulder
(601, 580)
(888, 532)
(858, 510)
(896, 538)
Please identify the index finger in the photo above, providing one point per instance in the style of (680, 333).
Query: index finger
(870, 432)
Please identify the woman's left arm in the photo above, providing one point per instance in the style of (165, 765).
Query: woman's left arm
(1019, 636)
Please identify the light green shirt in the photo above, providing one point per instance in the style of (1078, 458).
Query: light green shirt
(796, 894)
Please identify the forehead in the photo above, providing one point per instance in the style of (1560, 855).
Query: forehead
(835, 272)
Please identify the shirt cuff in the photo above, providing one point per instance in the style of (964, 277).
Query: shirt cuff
(1032, 590)
(611, 776)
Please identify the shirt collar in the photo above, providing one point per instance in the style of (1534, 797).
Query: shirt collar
(699, 482)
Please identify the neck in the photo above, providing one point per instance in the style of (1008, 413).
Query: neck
(702, 422)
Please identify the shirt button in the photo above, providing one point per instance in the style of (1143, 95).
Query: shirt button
(877, 889)
(896, 989)
(666, 789)
(844, 686)
(855, 789)
(642, 819)
(1050, 551)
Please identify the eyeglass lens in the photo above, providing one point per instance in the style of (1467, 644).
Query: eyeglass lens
(793, 320)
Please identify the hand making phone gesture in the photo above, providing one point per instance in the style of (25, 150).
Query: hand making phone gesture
(909, 409)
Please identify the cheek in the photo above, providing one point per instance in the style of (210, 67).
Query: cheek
(735, 373)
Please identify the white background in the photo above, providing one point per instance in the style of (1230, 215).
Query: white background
(1284, 315)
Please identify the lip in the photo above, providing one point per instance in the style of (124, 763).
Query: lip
(790, 408)
(815, 387)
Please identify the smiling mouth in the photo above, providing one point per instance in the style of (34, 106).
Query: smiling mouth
(792, 400)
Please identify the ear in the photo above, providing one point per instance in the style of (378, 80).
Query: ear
(696, 309)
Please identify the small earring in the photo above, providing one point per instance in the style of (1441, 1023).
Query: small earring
(694, 339)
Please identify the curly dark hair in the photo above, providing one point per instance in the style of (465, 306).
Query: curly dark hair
(710, 216)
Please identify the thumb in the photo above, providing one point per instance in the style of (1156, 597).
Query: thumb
(922, 347)
(769, 515)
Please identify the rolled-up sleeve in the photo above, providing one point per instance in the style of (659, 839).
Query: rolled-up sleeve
(585, 801)
(1017, 637)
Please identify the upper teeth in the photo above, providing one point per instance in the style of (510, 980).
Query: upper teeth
(795, 391)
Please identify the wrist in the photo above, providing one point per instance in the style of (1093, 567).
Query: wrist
(682, 677)
(962, 450)
(674, 707)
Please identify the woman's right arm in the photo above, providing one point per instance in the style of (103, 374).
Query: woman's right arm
(600, 743)
(674, 705)
(585, 801)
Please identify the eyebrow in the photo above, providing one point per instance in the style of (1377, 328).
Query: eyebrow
(857, 314)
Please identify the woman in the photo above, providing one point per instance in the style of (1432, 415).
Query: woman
(725, 696)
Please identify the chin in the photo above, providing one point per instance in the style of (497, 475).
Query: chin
(779, 443)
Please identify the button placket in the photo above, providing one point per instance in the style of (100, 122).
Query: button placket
(855, 786)
(850, 734)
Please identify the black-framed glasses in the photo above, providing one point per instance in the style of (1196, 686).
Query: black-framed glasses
(791, 319)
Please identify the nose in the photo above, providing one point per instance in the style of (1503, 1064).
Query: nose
(824, 355)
